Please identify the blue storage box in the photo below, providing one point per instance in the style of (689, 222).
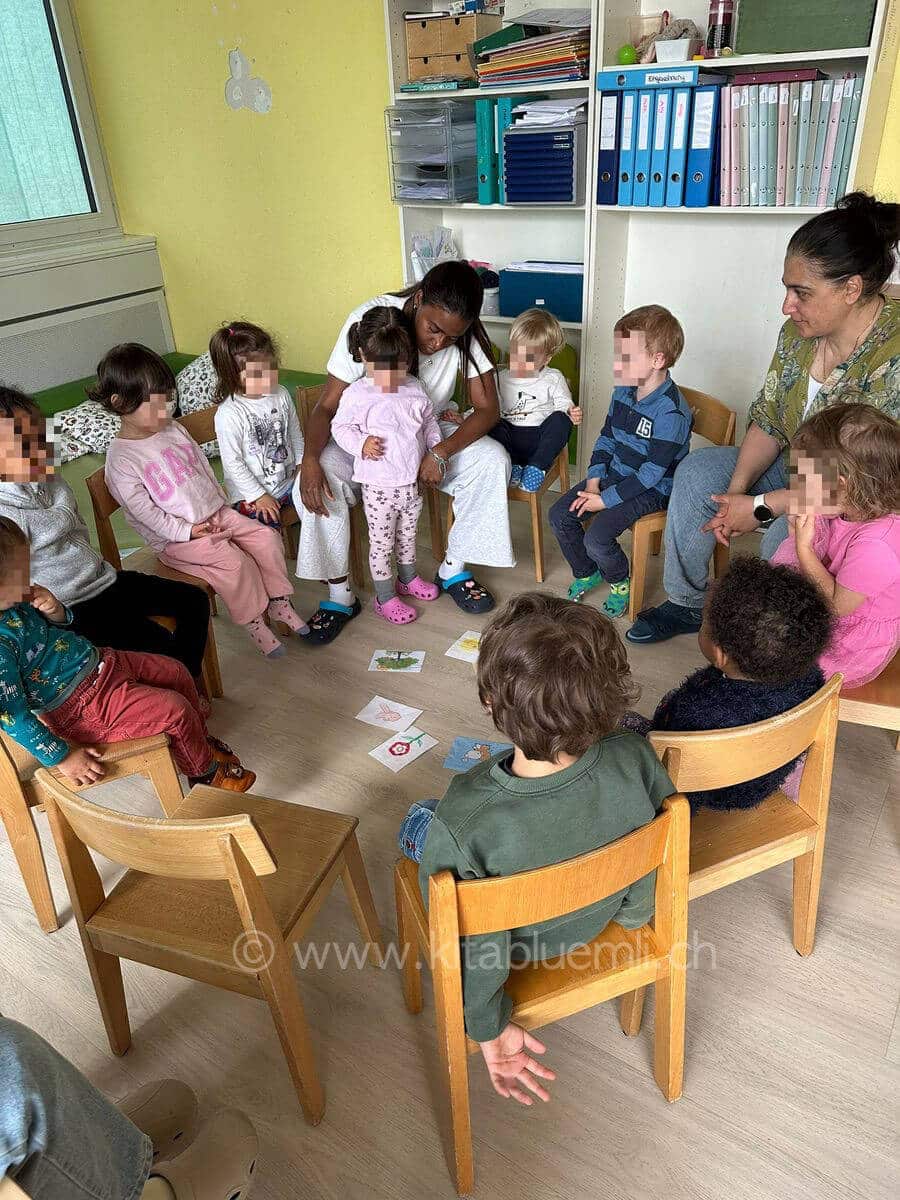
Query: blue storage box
(560, 292)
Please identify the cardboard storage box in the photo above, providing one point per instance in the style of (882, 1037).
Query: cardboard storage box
(439, 64)
(459, 32)
(423, 38)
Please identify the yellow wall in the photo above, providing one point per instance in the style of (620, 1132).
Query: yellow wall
(887, 173)
(283, 219)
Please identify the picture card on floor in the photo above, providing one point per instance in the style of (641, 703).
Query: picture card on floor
(403, 748)
(466, 646)
(397, 660)
(466, 752)
(388, 714)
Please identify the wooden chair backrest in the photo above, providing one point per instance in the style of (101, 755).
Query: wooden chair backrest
(201, 425)
(511, 901)
(178, 849)
(104, 505)
(306, 399)
(720, 758)
(713, 420)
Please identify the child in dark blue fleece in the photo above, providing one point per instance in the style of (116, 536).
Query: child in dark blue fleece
(764, 628)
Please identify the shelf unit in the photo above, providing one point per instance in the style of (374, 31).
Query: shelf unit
(718, 269)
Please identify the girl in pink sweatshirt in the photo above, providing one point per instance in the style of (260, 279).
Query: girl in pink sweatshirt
(162, 480)
(387, 423)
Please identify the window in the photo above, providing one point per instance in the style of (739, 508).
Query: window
(52, 177)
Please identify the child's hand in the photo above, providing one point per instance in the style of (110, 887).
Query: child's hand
(373, 447)
(586, 502)
(575, 414)
(451, 415)
(47, 604)
(204, 529)
(82, 766)
(269, 507)
(512, 1069)
(804, 530)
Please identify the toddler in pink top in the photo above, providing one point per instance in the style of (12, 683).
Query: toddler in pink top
(387, 423)
(168, 492)
(845, 537)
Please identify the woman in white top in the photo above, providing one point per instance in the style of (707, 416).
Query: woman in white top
(443, 311)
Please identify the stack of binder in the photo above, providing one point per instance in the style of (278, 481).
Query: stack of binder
(543, 153)
(558, 57)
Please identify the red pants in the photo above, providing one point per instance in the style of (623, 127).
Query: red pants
(133, 695)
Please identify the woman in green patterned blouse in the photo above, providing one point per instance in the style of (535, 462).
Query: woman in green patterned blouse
(841, 342)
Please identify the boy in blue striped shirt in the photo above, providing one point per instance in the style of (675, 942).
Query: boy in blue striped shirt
(646, 434)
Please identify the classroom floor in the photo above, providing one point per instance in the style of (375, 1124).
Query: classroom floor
(791, 1065)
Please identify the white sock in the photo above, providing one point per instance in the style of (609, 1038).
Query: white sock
(157, 1189)
(450, 567)
(341, 593)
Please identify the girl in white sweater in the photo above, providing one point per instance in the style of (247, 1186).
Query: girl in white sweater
(256, 422)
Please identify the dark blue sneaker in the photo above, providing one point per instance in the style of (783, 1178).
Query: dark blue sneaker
(664, 622)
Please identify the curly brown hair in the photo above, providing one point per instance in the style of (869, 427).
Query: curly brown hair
(231, 347)
(865, 443)
(554, 675)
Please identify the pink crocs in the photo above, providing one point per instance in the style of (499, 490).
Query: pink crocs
(418, 587)
(395, 611)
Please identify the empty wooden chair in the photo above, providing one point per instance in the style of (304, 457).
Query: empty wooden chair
(218, 892)
(617, 962)
(716, 422)
(20, 792)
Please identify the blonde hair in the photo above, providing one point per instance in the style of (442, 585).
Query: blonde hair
(865, 442)
(663, 331)
(540, 329)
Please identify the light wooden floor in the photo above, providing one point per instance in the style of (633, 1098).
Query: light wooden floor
(791, 1072)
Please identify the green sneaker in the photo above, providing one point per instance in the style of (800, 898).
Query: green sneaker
(579, 588)
(616, 602)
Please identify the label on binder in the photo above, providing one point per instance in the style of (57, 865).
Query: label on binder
(627, 121)
(643, 139)
(608, 110)
(701, 135)
(679, 126)
(659, 139)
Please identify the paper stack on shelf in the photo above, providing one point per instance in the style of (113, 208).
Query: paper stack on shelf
(546, 113)
(550, 58)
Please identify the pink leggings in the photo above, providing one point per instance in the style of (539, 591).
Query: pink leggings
(392, 514)
(243, 563)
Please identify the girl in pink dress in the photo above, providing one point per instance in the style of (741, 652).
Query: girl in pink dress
(845, 535)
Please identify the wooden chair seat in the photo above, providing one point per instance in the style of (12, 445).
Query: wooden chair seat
(877, 702)
(728, 846)
(190, 920)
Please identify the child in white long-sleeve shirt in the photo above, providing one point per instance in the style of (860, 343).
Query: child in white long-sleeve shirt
(256, 422)
(168, 492)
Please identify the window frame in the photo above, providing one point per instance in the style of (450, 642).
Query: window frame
(55, 230)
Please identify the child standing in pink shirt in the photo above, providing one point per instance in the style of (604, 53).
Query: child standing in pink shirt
(162, 480)
(845, 537)
(386, 421)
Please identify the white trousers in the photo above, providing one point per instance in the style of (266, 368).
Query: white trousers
(477, 479)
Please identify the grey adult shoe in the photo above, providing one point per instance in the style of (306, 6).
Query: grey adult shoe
(218, 1165)
(664, 622)
(166, 1112)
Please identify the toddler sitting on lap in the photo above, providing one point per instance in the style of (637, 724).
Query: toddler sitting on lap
(56, 687)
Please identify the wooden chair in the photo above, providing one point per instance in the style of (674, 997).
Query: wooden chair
(619, 961)
(218, 892)
(20, 791)
(875, 703)
(716, 422)
(10, 1191)
(104, 505)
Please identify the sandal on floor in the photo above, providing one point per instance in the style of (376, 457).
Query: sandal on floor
(218, 1165)
(221, 751)
(418, 587)
(328, 620)
(468, 593)
(395, 611)
(165, 1112)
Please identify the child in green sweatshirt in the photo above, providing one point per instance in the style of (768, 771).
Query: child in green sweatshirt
(555, 678)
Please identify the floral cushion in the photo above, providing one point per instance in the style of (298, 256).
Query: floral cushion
(85, 429)
(195, 386)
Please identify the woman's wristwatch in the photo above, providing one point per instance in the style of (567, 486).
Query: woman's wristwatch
(762, 512)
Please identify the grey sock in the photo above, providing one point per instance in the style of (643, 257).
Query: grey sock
(384, 590)
(406, 572)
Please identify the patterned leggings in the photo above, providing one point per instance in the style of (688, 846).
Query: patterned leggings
(392, 514)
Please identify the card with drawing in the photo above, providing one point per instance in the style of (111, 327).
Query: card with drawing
(397, 660)
(388, 714)
(466, 752)
(466, 646)
(403, 748)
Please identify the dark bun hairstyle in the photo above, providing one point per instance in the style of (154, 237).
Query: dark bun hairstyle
(384, 335)
(858, 237)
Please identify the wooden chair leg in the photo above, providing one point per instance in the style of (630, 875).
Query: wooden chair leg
(408, 947)
(721, 558)
(631, 1010)
(106, 974)
(356, 885)
(564, 483)
(807, 882)
(452, 1042)
(656, 542)
(209, 668)
(26, 846)
(280, 992)
(669, 1002)
(438, 545)
(357, 570)
(163, 775)
(537, 536)
(640, 553)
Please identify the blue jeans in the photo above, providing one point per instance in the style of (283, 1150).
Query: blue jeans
(61, 1139)
(705, 473)
(595, 548)
(414, 829)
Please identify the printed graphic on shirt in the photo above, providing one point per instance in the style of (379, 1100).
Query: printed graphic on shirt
(518, 406)
(267, 438)
(644, 428)
(174, 467)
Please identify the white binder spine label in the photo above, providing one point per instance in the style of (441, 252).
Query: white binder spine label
(679, 124)
(627, 121)
(701, 136)
(608, 110)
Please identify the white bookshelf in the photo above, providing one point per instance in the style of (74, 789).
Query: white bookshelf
(718, 269)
